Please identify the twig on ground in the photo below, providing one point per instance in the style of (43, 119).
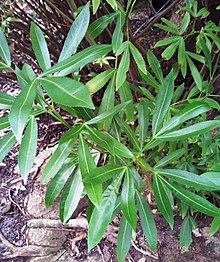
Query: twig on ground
(144, 252)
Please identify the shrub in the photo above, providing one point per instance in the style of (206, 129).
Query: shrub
(145, 140)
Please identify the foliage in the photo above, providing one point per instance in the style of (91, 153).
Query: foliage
(151, 140)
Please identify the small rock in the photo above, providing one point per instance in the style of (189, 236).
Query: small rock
(46, 237)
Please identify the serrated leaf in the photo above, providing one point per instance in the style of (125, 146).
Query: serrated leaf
(195, 201)
(63, 150)
(124, 239)
(123, 68)
(68, 92)
(128, 205)
(80, 59)
(87, 166)
(170, 158)
(197, 129)
(147, 221)
(6, 144)
(104, 173)
(102, 214)
(57, 183)
(4, 123)
(99, 25)
(28, 149)
(96, 83)
(21, 109)
(163, 199)
(188, 112)
(71, 196)
(190, 179)
(76, 33)
(4, 49)
(40, 47)
(163, 101)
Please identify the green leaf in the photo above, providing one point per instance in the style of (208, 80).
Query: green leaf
(170, 158)
(105, 115)
(170, 50)
(102, 214)
(185, 23)
(68, 92)
(138, 58)
(170, 24)
(78, 60)
(195, 201)
(95, 5)
(190, 179)
(21, 109)
(125, 96)
(106, 141)
(40, 47)
(6, 144)
(197, 57)
(182, 57)
(123, 68)
(117, 37)
(213, 177)
(124, 239)
(127, 200)
(4, 49)
(188, 112)
(87, 166)
(104, 173)
(63, 150)
(185, 234)
(71, 196)
(167, 28)
(57, 183)
(215, 225)
(107, 104)
(195, 73)
(147, 221)
(28, 149)
(129, 132)
(96, 83)
(143, 121)
(4, 123)
(197, 129)
(163, 101)
(168, 41)
(99, 25)
(164, 200)
(155, 65)
(76, 33)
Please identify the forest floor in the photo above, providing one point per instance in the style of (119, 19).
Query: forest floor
(30, 232)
